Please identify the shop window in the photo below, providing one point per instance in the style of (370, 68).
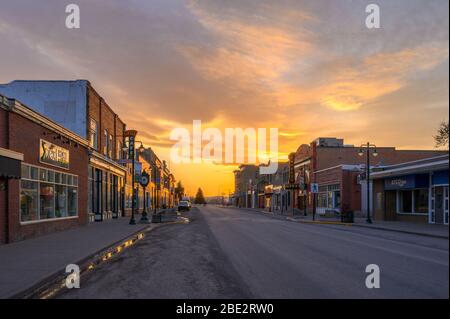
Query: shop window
(46, 194)
(72, 200)
(61, 201)
(413, 201)
(421, 201)
(46, 201)
(405, 202)
(29, 201)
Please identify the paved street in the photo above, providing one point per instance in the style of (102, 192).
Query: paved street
(231, 253)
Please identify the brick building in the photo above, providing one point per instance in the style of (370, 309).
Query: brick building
(415, 191)
(245, 186)
(76, 106)
(42, 176)
(335, 166)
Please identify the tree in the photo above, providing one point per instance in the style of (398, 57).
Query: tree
(441, 138)
(179, 191)
(199, 197)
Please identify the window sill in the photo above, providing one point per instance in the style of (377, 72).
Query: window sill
(47, 220)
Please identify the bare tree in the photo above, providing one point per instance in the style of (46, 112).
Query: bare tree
(441, 138)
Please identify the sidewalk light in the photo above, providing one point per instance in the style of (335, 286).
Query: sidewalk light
(365, 149)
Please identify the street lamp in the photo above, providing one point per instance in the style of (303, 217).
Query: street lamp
(131, 134)
(365, 149)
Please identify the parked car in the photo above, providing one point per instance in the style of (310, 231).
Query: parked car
(184, 205)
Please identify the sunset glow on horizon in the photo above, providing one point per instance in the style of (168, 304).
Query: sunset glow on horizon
(309, 68)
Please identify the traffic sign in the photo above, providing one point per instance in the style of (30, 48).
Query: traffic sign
(314, 188)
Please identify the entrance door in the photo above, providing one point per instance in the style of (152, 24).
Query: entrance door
(115, 196)
(391, 205)
(98, 209)
(439, 204)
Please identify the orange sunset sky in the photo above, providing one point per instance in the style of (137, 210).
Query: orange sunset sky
(309, 68)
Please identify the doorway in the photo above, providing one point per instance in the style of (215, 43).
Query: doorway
(440, 208)
(391, 205)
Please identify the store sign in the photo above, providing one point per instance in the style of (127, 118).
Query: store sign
(401, 182)
(52, 154)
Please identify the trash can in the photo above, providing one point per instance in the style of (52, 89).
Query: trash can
(347, 217)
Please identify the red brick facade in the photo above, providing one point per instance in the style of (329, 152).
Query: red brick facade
(23, 135)
(316, 157)
(106, 119)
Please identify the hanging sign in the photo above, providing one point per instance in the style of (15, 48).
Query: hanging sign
(52, 154)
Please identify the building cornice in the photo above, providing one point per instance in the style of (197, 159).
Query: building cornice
(19, 108)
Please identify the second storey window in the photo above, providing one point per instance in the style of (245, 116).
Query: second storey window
(110, 146)
(93, 136)
(105, 142)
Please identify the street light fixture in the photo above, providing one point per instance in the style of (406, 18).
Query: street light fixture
(365, 149)
(131, 134)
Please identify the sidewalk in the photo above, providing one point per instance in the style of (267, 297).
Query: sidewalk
(429, 230)
(26, 263)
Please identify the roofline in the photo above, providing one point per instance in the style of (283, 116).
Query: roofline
(405, 169)
(17, 107)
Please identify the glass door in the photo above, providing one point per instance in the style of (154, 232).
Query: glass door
(446, 205)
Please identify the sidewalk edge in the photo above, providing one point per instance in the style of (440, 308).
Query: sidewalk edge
(50, 280)
(402, 231)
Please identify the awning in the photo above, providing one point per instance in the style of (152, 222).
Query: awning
(9, 167)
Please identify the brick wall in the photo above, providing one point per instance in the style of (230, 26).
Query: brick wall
(24, 136)
(106, 119)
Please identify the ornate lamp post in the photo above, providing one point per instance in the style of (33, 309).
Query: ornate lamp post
(145, 179)
(366, 149)
(131, 134)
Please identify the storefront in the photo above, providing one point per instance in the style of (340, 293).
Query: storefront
(415, 191)
(49, 196)
(106, 188)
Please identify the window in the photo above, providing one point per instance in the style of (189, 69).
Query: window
(105, 140)
(61, 201)
(47, 194)
(47, 201)
(329, 196)
(421, 201)
(29, 201)
(72, 201)
(413, 201)
(119, 151)
(93, 136)
(110, 146)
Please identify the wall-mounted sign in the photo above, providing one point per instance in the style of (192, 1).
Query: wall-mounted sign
(407, 182)
(52, 154)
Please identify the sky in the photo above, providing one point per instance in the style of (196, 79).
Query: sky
(308, 68)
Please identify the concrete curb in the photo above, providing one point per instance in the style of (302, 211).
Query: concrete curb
(288, 218)
(51, 285)
(402, 231)
(321, 222)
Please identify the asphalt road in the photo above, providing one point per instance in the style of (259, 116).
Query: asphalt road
(231, 253)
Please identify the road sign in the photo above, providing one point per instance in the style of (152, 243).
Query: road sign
(314, 188)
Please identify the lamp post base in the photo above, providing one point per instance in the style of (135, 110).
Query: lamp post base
(369, 221)
(132, 221)
(144, 219)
